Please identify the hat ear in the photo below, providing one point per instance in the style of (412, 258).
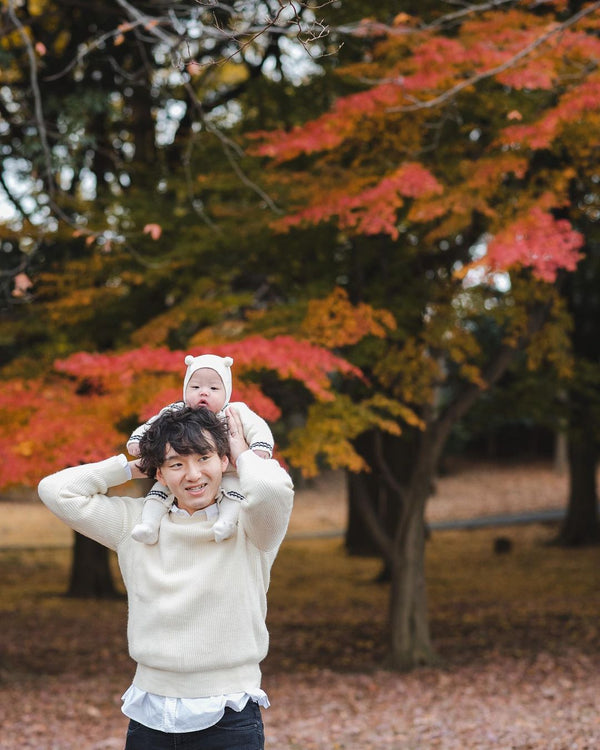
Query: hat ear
(227, 361)
(188, 360)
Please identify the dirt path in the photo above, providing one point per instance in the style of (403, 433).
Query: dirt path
(473, 490)
(470, 491)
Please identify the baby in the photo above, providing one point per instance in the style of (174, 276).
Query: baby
(207, 384)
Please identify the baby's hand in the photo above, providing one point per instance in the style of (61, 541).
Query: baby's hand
(237, 441)
(133, 448)
(136, 473)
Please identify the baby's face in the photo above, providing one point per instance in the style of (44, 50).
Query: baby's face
(205, 388)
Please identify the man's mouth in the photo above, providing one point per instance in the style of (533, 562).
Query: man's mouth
(197, 487)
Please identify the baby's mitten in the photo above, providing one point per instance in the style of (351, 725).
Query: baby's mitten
(133, 448)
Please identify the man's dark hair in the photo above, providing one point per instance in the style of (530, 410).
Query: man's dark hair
(186, 431)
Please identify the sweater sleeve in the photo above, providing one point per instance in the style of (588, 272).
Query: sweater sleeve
(77, 496)
(269, 495)
(256, 431)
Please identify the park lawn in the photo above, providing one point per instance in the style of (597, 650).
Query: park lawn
(327, 610)
(506, 626)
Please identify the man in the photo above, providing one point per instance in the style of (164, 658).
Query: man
(196, 623)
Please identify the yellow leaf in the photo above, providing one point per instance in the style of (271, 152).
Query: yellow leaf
(36, 7)
(25, 448)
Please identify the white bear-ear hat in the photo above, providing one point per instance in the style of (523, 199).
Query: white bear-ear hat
(221, 365)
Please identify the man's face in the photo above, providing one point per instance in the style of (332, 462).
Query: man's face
(194, 479)
(205, 388)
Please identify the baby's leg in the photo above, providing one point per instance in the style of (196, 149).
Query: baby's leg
(229, 508)
(156, 506)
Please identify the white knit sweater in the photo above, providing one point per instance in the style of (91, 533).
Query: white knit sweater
(197, 609)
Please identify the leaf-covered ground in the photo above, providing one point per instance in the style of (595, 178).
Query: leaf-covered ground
(517, 636)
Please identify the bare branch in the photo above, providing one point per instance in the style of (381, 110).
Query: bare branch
(149, 23)
(450, 18)
(154, 26)
(232, 152)
(37, 97)
(306, 34)
(445, 21)
(13, 200)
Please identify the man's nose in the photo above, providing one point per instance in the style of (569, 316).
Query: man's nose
(194, 470)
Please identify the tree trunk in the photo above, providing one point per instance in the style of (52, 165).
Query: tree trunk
(409, 619)
(561, 453)
(391, 518)
(581, 525)
(90, 571)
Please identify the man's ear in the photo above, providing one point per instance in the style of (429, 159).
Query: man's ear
(159, 477)
(224, 463)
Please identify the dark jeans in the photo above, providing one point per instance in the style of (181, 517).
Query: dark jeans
(237, 730)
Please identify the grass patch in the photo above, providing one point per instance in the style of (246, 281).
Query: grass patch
(538, 597)
(325, 610)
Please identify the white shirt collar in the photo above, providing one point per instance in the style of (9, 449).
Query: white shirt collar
(211, 511)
